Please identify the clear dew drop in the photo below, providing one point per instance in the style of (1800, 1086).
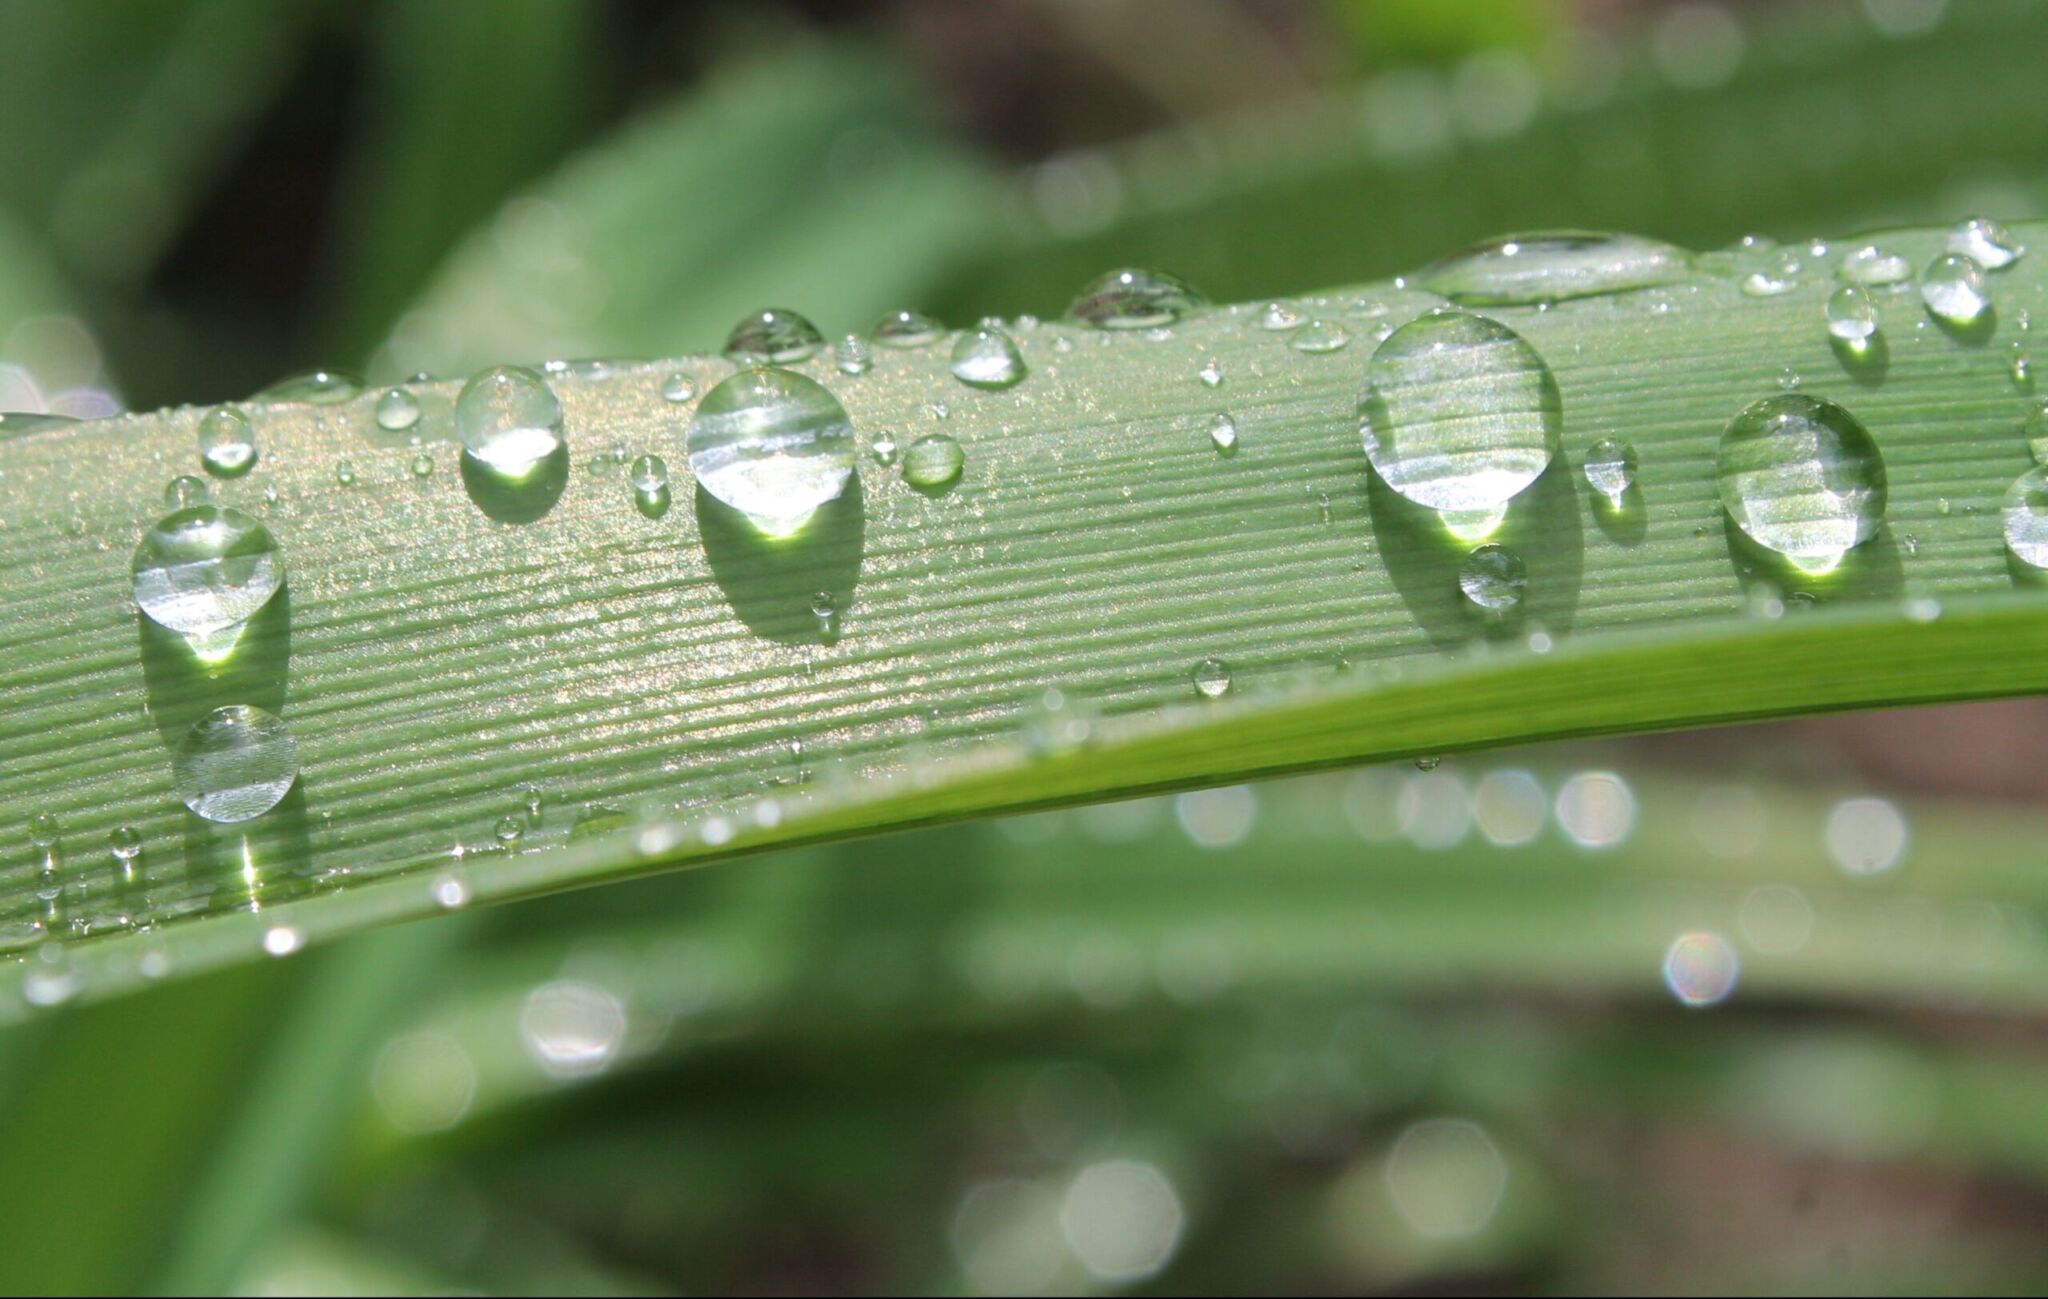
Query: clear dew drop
(1319, 337)
(227, 442)
(1223, 432)
(397, 410)
(1767, 284)
(1611, 469)
(933, 463)
(1135, 299)
(43, 831)
(1278, 318)
(1459, 413)
(185, 491)
(987, 357)
(773, 336)
(2035, 431)
(1493, 580)
(648, 479)
(773, 445)
(1986, 243)
(853, 356)
(509, 830)
(1553, 265)
(1852, 316)
(235, 764)
(422, 465)
(2019, 363)
(907, 329)
(2025, 516)
(1211, 374)
(205, 571)
(1874, 267)
(678, 388)
(16, 423)
(124, 842)
(883, 448)
(1212, 678)
(345, 473)
(1801, 477)
(509, 420)
(315, 387)
(1952, 286)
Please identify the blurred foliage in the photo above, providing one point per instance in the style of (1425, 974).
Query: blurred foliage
(890, 1065)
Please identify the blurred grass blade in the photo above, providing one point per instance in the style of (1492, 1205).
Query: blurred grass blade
(1029, 638)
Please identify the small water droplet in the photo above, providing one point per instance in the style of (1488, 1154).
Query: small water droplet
(535, 801)
(853, 356)
(1870, 265)
(509, 829)
(1223, 432)
(204, 572)
(2035, 431)
(509, 420)
(679, 388)
(1134, 299)
(827, 614)
(1493, 579)
(397, 410)
(1553, 265)
(649, 480)
(1278, 317)
(987, 358)
(1801, 476)
(17, 423)
(1852, 316)
(2020, 366)
(345, 473)
(1986, 243)
(1611, 469)
(235, 764)
(1318, 337)
(773, 336)
(773, 445)
(125, 843)
(43, 831)
(422, 465)
(315, 387)
(1767, 283)
(1428, 764)
(907, 329)
(1211, 374)
(185, 491)
(884, 448)
(227, 442)
(1953, 289)
(933, 463)
(1212, 678)
(2025, 514)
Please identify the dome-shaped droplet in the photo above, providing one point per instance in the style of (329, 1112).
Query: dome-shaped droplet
(1318, 337)
(1278, 318)
(852, 355)
(1611, 469)
(421, 465)
(1953, 289)
(773, 336)
(1493, 579)
(2035, 431)
(1211, 374)
(185, 491)
(235, 764)
(884, 448)
(1212, 678)
(1459, 413)
(987, 358)
(1223, 432)
(907, 329)
(509, 830)
(397, 410)
(1134, 299)
(649, 480)
(345, 472)
(43, 830)
(2025, 514)
(16, 423)
(1802, 477)
(1554, 265)
(227, 442)
(678, 388)
(509, 419)
(315, 387)
(933, 463)
(1986, 243)
(1871, 265)
(773, 445)
(206, 570)
(1851, 316)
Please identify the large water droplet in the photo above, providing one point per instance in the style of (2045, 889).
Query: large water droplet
(235, 764)
(1801, 477)
(509, 419)
(1134, 299)
(773, 336)
(1953, 289)
(1459, 413)
(227, 443)
(315, 387)
(933, 463)
(2025, 515)
(1986, 243)
(1493, 579)
(1554, 265)
(987, 358)
(2035, 431)
(1874, 266)
(1611, 469)
(397, 410)
(773, 445)
(907, 329)
(1852, 316)
(205, 571)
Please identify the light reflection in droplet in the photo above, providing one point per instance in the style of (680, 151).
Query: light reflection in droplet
(1446, 1178)
(1122, 1219)
(1866, 836)
(572, 1028)
(1217, 818)
(1701, 968)
(1596, 808)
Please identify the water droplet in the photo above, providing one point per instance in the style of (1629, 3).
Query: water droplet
(204, 572)
(1611, 469)
(987, 358)
(1801, 477)
(773, 445)
(509, 420)
(1875, 267)
(1223, 432)
(184, 492)
(1318, 337)
(907, 329)
(509, 829)
(1953, 289)
(1767, 284)
(1428, 764)
(235, 764)
(884, 448)
(315, 387)
(227, 443)
(773, 336)
(16, 423)
(679, 388)
(422, 465)
(1852, 316)
(397, 410)
(1459, 413)
(43, 831)
(2025, 513)
(1493, 579)
(853, 356)
(1211, 374)
(535, 801)
(345, 473)
(1554, 265)
(2020, 365)
(827, 613)
(1986, 243)
(2035, 431)
(1134, 299)
(1212, 678)
(933, 463)
(125, 843)
(1279, 317)
(649, 480)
